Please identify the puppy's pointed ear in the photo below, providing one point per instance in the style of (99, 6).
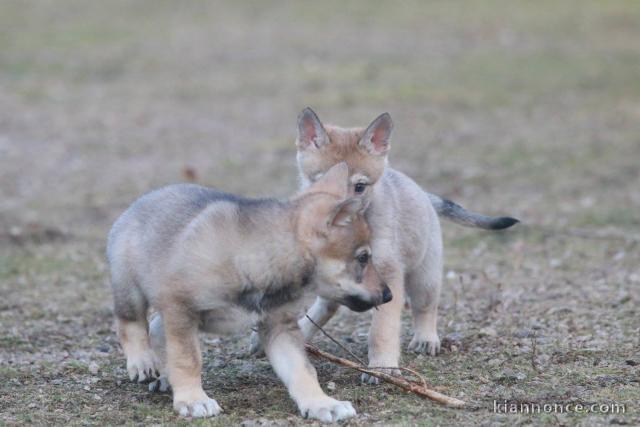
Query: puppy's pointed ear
(377, 137)
(335, 181)
(345, 212)
(311, 133)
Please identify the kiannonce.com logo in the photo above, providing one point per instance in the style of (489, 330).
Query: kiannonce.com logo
(506, 407)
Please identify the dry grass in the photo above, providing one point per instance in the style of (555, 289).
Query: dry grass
(525, 108)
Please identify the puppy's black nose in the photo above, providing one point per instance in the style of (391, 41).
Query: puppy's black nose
(386, 294)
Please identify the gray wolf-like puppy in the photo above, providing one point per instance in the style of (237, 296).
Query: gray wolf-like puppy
(406, 238)
(211, 261)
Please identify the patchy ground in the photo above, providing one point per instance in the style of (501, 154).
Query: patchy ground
(525, 108)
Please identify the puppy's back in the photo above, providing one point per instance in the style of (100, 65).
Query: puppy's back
(152, 223)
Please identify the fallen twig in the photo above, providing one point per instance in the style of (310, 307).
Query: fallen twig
(338, 343)
(347, 350)
(401, 368)
(415, 388)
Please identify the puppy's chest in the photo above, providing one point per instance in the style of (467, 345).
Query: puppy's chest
(394, 236)
(275, 293)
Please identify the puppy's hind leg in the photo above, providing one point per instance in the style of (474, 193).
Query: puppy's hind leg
(423, 287)
(130, 307)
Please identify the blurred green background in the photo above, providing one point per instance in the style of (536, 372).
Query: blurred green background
(526, 108)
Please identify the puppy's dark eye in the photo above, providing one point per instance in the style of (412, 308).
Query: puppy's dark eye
(363, 258)
(359, 188)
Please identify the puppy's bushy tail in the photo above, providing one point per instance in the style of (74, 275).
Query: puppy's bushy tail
(456, 213)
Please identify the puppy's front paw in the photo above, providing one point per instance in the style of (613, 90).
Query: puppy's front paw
(199, 408)
(143, 366)
(428, 344)
(327, 409)
(371, 380)
(255, 345)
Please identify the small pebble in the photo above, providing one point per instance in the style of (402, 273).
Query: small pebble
(454, 337)
(509, 374)
(103, 348)
(523, 333)
(488, 332)
(494, 362)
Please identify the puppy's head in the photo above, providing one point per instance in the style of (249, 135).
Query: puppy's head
(363, 149)
(333, 228)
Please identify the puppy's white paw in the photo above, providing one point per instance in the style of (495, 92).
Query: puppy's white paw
(425, 344)
(201, 408)
(327, 409)
(143, 366)
(255, 345)
(159, 385)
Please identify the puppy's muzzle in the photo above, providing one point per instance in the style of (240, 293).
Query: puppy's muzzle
(356, 303)
(386, 295)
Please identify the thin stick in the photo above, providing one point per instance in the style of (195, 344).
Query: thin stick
(345, 348)
(402, 368)
(534, 346)
(397, 381)
(335, 340)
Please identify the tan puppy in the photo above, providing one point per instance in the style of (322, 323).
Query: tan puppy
(212, 261)
(406, 236)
